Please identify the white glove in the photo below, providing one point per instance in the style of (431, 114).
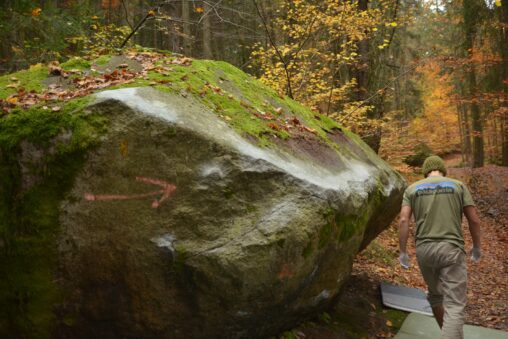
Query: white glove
(476, 254)
(404, 260)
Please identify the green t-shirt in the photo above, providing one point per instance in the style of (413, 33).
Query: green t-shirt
(437, 203)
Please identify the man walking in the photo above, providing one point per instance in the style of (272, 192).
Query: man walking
(437, 203)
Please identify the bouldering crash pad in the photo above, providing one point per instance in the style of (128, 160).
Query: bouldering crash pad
(422, 326)
(405, 299)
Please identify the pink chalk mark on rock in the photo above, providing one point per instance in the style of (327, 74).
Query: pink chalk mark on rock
(166, 191)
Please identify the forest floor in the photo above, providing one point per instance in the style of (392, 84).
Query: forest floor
(359, 312)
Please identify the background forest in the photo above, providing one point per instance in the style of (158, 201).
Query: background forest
(411, 77)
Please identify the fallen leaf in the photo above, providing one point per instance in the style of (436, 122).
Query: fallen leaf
(54, 68)
(36, 11)
(273, 126)
(12, 100)
(124, 147)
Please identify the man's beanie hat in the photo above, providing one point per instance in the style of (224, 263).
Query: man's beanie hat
(433, 163)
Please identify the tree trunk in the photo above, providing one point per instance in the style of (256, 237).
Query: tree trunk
(361, 73)
(470, 13)
(207, 32)
(187, 45)
(504, 53)
(466, 135)
(476, 122)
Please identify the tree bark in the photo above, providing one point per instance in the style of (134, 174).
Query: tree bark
(470, 13)
(476, 122)
(187, 46)
(504, 53)
(207, 32)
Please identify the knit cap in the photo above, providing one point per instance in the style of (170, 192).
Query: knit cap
(433, 163)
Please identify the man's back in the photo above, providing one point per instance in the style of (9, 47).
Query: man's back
(437, 203)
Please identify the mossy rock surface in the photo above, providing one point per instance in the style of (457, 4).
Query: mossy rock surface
(165, 211)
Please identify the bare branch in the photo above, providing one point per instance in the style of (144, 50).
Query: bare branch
(277, 51)
(126, 14)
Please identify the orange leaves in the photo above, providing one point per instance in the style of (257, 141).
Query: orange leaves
(110, 4)
(20, 99)
(36, 12)
(274, 126)
(12, 100)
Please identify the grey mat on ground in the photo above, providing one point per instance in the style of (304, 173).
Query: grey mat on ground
(423, 327)
(405, 299)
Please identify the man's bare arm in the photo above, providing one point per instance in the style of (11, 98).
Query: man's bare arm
(405, 215)
(474, 225)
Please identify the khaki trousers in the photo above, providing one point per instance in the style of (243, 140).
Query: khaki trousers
(444, 270)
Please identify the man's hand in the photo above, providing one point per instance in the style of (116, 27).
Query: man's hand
(405, 214)
(404, 260)
(474, 228)
(476, 254)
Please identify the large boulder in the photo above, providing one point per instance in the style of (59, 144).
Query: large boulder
(148, 214)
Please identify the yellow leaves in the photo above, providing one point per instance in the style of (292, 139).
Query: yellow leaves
(95, 17)
(340, 26)
(124, 147)
(199, 9)
(12, 100)
(389, 323)
(286, 50)
(35, 67)
(151, 13)
(499, 3)
(93, 27)
(36, 12)
(16, 50)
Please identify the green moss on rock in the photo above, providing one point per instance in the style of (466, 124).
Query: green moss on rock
(30, 80)
(76, 63)
(235, 96)
(29, 217)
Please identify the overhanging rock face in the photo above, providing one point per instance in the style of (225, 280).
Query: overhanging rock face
(178, 227)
